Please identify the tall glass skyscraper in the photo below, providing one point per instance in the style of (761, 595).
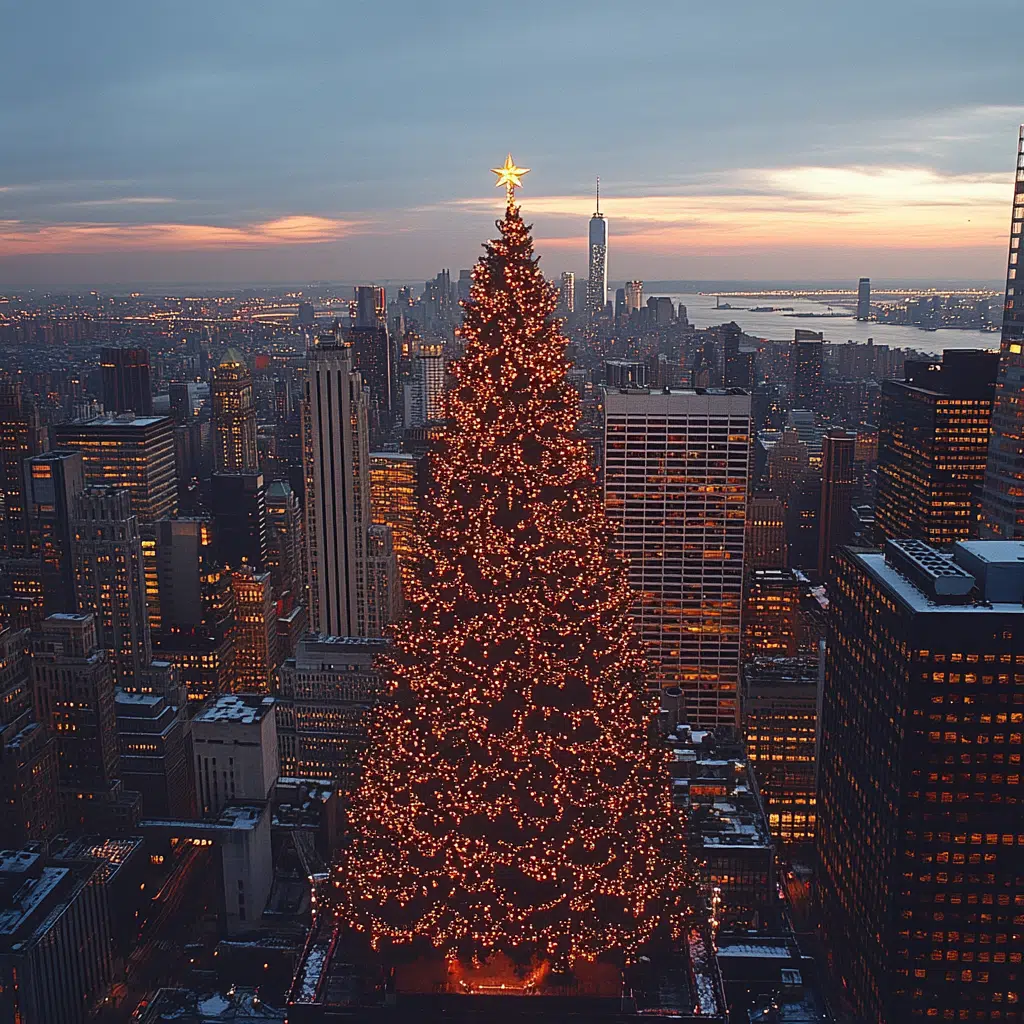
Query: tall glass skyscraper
(597, 282)
(1002, 509)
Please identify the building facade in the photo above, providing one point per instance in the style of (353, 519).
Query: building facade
(920, 843)
(1003, 494)
(933, 447)
(336, 459)
(233, 416)
(675, 486)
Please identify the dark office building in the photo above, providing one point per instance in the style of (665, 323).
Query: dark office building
(738, 366)
(807, 373)
(126, 386)
(239, 511)
(933, 445)
(52, 483)
(920, 842)
(838, 479)
(55, 951)
(625, 373)
(21, 436)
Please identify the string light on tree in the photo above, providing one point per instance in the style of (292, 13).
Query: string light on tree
(512, 802)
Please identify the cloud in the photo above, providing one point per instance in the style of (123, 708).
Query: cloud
(899, 207)
(18, 238)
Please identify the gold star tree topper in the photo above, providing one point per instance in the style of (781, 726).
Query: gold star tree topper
(510, 176)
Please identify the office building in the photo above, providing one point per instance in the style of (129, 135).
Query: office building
(779, 708)
(838, 479)
(22, 436)
(197, 608)
(739, 368)
(53, 481)
(151, 736)
(73, 687)
(325, 696)
(808, 382)
(239, 513)
(395, 485)
(771, 607)
(336, 460)
(634, 295)
(286, 547)
(234, 742)
(933, 446)
(425, 389)
(134, 452)
(766, 533)
(110, 581)
(126, 386)
(28, 751)
(567, 294)
(1003, 492)
(373, 355)
(55, 949)
(305, 314)
(864, 298)
(675, 486)
(919, 837)
(383, 582)
(597, 277)
(255, 634)
(233, 416)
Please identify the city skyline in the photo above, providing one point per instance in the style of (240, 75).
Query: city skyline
(140, 160)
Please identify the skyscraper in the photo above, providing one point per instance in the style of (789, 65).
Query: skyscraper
(52, 482)
(255, 631)
(838, 476)
(675, 484)
(326, 694)
(780, 711)
(21, 437)
(197, 607)
(109, 578)
(234, 416)
(126, 386)
(864, 298)
(567, 294)
(239, 512)
(766, 533)
(336, 459)
(134, 452)
(28, 751)
(634, 292)
(424, 390)
(919, 810)
(597, 279)
(771, 609)
(807, 373)
(933, 445)
(286, 547)
(73, 683)
(394, 486)
(383, 583)
(1002, 513)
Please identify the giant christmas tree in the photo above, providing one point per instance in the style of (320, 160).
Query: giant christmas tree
(512, 801)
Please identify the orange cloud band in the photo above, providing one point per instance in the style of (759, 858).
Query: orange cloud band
(18, 238)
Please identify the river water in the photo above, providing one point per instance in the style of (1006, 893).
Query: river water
(700, 309)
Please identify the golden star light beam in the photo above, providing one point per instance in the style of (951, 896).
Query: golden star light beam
(510, 176)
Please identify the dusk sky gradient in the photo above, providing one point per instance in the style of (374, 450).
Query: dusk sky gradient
(343, 140)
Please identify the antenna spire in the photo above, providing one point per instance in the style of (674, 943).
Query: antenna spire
(599, 193)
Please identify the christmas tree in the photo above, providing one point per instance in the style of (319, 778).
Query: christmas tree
(512, 801)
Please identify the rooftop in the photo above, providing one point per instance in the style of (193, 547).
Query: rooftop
(245, 708)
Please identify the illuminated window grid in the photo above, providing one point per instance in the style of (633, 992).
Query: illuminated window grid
(675, 482)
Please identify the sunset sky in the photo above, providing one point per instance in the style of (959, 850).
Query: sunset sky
(239, 140)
